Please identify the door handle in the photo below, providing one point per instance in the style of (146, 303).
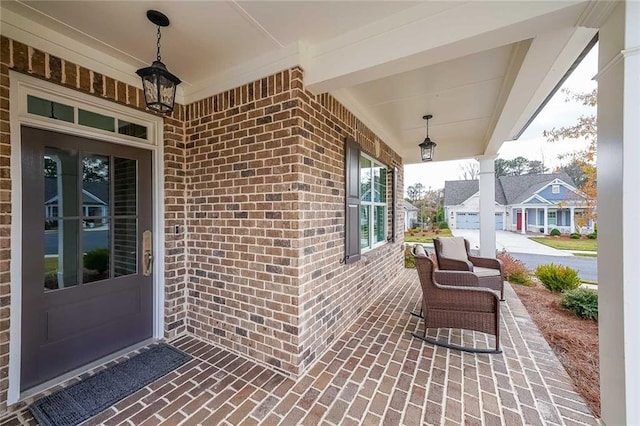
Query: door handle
(147, 253)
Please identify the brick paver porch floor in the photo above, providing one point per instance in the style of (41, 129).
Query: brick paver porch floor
(375, 373)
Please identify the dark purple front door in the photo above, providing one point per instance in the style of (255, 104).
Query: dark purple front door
(86, 289)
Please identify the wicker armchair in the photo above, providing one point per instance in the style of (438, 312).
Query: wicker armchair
(456, 300)
(453, 255)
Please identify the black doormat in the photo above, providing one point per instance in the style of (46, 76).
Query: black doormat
(85, 399)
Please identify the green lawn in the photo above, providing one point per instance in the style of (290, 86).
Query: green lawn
(567, 244)
(50, 265)
(424, 237)
(586, 254)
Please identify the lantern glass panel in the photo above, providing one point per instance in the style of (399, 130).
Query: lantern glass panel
(150, 88)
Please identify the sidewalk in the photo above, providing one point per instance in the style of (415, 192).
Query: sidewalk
(511, 242)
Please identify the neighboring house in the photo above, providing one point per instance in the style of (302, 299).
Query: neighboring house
(528, 203)
(410, 215)
(95, 196)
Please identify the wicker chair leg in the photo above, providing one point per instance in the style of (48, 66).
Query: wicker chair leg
(424, 337)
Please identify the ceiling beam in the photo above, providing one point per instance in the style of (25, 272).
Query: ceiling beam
(417, 38)
(547, 60)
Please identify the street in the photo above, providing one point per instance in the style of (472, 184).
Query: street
(587, 267)
(91, 240)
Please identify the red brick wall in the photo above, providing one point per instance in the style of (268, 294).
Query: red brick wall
(255, 179)
(332, 294)
(25, 59)
(265, 167)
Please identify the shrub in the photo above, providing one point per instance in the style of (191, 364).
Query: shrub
(582, 302)
(554, 232)
(574, 236)
(593, 236)
(97, 260)
(442, 225)
(557, 278)
(409, 261)
(515, 271)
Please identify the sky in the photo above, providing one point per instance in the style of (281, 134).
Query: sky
(531, 145)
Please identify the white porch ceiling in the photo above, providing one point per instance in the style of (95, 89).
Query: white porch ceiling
(481, 68)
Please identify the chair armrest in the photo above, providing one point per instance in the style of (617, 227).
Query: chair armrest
(454, 265)
(487, 262)
(456, 278)
(464, 299)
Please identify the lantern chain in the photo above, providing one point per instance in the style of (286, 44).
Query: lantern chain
(158, 43)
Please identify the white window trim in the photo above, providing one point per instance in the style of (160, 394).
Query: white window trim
(372, 204)
(22, 85)
(555, 188)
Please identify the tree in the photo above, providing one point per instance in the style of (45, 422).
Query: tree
(537, 167)
(428, 201)
(584, 160)
(518, 166)
(501, 167)
(470, 170)
(574, 168)
(415, 192)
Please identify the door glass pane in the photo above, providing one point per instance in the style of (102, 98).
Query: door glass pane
(60, 254)
(95, 246)
(379, 219)
(124, 186)
(364, 226)
(125, 247)
(60, 183)
(365, 179)
(380, 184)
(95, 187)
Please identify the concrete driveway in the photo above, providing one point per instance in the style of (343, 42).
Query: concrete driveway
(511, 242)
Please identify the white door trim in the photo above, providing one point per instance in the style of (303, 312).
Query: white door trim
(20, 86)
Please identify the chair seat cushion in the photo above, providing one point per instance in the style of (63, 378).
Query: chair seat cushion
(453, 248)
(485, 272)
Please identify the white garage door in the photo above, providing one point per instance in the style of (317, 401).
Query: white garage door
(468, 220)
(472, 220)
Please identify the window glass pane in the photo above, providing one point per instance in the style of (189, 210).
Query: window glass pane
(364, 226)
(124, 186)
(380, 184)
(97, 121)
(379, 219)
(95, 246)
(132, 129)
(365, 179)
(60, 183)
(95, 187)
(50, 109)
(60, 254)
(125, 247)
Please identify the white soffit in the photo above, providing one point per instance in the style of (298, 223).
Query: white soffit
(389, 62)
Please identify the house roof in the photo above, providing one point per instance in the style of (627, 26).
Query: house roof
(509, 189)
(518, 188)
(99, 190)
(457, 191)
(409, 206)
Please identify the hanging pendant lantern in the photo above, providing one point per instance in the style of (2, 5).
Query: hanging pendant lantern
(427, 147)
(158, 84)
